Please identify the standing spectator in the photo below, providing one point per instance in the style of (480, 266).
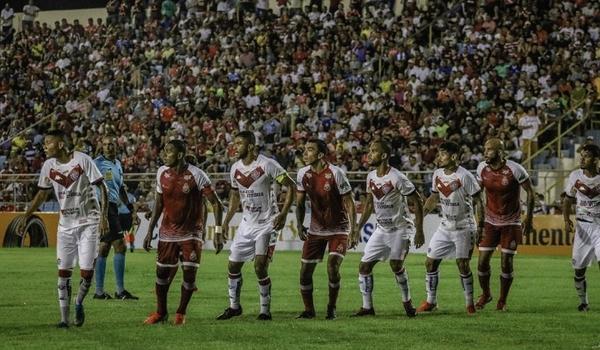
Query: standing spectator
(30, 12)
(7, 16)
(529, 124)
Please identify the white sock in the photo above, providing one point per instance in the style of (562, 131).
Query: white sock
(264, 290)
(431, 283)
(402, 280)
(235, 288)
(365, 283)
(467, 284)
(64, 297)
(581, 288)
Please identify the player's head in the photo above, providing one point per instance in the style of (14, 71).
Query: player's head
(379, 152)
(55, 143)
(174, 153)
(244, 143)
(314, 151)
(493, 150)
(109, 146)
(590, 154)
(447, 155)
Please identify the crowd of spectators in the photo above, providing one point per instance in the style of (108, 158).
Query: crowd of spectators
(203, 70)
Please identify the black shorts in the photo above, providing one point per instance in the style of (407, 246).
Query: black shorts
(115, 231)
(126, 221)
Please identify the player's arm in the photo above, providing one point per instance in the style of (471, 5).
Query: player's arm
(479, 215)
(39, 198)
(158, 207)
(285, 180)
(367, 211)
(234, 203)
(103, 207)
(567, 205)
(530, 204)
(300, 212)
(417, 201)
(217, 206)
(348, 202)
(431, 203)
(125, 199)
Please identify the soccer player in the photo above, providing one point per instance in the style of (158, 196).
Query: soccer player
(502, 180)
(387, 190)
(583, 188)
(180, 192)
(457, 190)
(252, 178)
(71, 175)
(111, 170)
(333, 217)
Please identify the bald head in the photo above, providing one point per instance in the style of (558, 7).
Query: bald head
(495, 144)
(493, 151)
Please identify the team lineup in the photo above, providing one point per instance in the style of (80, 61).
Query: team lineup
(477, 211)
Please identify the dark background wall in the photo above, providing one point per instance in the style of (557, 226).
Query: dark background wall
(48, 5)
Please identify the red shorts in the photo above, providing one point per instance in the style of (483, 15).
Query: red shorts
(171, 253)
(314, 247)
(509, 237)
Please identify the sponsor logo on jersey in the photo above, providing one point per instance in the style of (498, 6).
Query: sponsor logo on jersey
(185, 188)
(328, 176)
(504, 180)
(187, 177)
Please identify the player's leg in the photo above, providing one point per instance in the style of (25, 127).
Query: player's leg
(399, 247)
(66, 251)
(191, 252)
(167, 259)
(88, 252)
(312, 253)
(375, 251)
(511, 237)
(338, 244)
(440, 246)
(241, 250)
(583, 254)
(464, 243)
(120, 249)
(114, 233)
(491, 238)
(265, 246)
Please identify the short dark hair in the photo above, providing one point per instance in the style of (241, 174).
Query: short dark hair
(593, 149)
(178, 144)
(321, 145)
(57, 133)
(450, 147)
(385, 146)
(248, 136)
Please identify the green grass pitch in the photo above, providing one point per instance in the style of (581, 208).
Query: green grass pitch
(542, 309)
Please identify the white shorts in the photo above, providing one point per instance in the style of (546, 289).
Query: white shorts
(77, 243)
(251, 241)
(451, 244)
(586, 244)
(382, 246)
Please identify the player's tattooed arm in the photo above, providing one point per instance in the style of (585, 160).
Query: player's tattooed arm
(158, 207)
(417, 201)
(234, 204)
(300, 211)
(479, 215)
(290, 185)
(530, 205)
(104, 208)
(431, 203)
(39, 198)
(351, 211)
(217, 206)
(367, 211)
(567, 205)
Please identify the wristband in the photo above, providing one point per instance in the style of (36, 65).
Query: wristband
(218, 229)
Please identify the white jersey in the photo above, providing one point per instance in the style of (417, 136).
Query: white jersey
(587, 193)
(456, 191)
(72, 183)
(254, 182)
(389, 202)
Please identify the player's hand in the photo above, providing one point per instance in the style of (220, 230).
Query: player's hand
(354, 237)
(148, 215)
(21, 224)
(302, 232)
(528, 226)
(103, 227)
(279, 221)
(219, 242)
(479, 235)
(148, 241)
(568, 226)
(419, 238)
(136, 219)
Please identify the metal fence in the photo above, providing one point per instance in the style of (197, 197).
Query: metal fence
(17, 190)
